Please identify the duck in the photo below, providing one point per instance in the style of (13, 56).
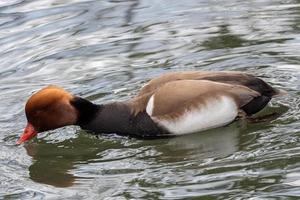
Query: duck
(175, 103)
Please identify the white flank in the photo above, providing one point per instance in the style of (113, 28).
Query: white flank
(214, 113)
(150, 105)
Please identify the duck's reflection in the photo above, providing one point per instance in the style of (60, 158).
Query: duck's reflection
(53, 162)
(48, 169)
(214, 143)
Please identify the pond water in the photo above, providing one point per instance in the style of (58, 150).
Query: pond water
(105, 51)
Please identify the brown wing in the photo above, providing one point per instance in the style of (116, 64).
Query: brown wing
(237, 78)
(229, 77)
(139, 103)
(174, 97)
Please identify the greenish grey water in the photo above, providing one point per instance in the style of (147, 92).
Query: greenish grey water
(105, 51)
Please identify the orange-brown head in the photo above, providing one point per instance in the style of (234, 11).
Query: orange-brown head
(48, 109)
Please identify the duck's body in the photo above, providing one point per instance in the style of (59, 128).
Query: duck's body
(173, 104)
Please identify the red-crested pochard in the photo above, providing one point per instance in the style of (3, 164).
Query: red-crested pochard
(173, 104)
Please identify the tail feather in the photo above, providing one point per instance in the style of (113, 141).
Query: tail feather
(279, 92)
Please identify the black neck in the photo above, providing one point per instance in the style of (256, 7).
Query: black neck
(111, 118)
(86, 110)
(114, 118)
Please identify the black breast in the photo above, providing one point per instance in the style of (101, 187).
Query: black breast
(117, 118)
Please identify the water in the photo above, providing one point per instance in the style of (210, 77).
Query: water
(105, 51)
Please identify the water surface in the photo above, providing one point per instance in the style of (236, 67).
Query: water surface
(105, 51)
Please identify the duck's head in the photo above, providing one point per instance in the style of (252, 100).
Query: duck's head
(48, 109)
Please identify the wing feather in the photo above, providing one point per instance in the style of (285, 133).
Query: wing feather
(239, 82)
(175, 97)
(232, 77)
